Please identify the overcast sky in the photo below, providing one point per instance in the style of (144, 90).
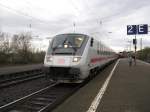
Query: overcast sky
(106, 20)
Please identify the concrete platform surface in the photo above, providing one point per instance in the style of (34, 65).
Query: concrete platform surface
(13, 69)
(127, 91)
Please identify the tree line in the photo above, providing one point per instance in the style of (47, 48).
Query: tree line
(144, 54)
(18, 49)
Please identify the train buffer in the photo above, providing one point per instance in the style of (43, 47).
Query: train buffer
(118, 88)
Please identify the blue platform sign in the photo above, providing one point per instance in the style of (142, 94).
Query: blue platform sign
(142, 29)
(137, 29)
(131, 30)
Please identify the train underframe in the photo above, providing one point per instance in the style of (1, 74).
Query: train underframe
(63, 74)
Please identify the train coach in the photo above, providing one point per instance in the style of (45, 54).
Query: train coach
(72, 57)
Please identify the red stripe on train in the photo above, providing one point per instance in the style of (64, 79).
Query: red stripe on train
(94, 60)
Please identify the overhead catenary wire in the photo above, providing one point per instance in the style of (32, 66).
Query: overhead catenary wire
(31, 17)
(22, 13)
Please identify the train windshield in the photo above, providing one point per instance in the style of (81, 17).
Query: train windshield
(68, 44)
(69, 41)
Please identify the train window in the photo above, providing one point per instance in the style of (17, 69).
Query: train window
(71, 41)
(98, 52)
(69, 44)
(92, 41)
(78, 41)
(102, 49)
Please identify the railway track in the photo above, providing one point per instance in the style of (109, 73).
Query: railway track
(19, 77)
(42, 100)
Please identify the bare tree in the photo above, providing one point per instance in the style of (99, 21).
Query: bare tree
(21, 45)
(4, 47)
(18, 49)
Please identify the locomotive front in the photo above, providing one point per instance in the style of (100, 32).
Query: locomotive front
(63, 60)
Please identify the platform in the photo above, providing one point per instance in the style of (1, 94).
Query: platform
(21, 68)
(128, 90)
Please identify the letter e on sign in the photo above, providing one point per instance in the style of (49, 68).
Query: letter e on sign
(143, 29)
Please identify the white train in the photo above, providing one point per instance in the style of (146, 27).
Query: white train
(72, 57)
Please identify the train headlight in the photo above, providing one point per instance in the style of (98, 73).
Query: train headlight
(76, 59)
(65, 46)
(49, 58)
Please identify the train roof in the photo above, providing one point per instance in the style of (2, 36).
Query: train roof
(72, 34)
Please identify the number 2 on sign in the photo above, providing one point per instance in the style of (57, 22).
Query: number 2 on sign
(130, 28)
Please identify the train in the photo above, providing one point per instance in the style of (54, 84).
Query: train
(73, 57)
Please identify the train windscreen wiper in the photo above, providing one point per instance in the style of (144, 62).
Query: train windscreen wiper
(74, 48)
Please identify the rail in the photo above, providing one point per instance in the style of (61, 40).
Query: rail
(42, 100)
(18, 77)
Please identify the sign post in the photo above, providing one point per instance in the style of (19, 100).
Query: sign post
(135, 50)
(134, 30)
